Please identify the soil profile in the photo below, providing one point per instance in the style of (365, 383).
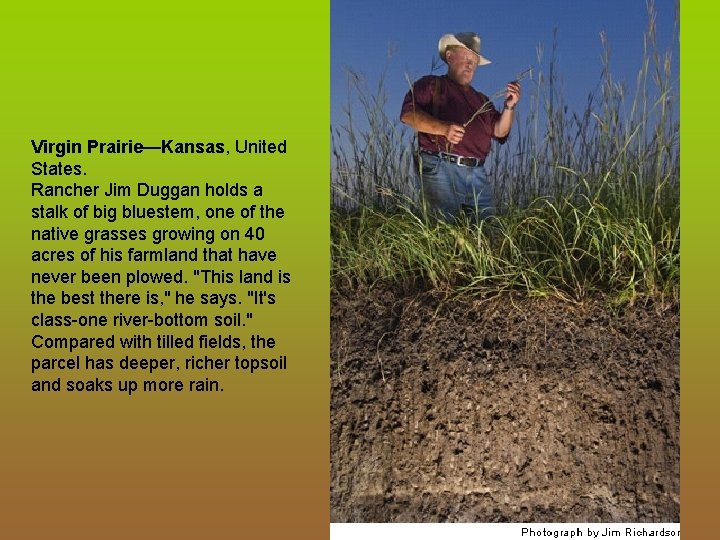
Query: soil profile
(504, 409)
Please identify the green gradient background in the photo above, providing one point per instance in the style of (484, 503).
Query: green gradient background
(251, 461)
(700, 370)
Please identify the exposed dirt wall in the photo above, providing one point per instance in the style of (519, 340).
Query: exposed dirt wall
(500, 410)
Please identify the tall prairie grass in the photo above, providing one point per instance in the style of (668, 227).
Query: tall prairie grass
(589, 200)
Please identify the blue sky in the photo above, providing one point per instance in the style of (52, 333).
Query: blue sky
(363, 33)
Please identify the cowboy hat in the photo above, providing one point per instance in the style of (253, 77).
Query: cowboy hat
(468, 40)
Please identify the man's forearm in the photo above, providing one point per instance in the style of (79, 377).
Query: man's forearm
(422, 121)
(504, 123)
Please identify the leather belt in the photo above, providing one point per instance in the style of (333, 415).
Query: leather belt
(462, 161)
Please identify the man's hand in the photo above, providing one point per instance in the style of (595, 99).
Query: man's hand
(504, 123)
(454, 133)
(512, 94)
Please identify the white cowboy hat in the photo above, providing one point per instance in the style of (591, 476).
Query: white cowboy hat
(468, 40)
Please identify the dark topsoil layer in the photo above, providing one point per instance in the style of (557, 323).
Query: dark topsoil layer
(503, 410)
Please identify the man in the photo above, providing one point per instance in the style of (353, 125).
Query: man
(456, 125)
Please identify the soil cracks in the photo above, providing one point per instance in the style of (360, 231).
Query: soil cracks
(507, 409)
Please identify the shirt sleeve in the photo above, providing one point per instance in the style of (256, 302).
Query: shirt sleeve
(419, 97)
(494, 115)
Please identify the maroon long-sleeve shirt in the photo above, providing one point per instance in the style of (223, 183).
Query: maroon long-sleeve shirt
(457, 104)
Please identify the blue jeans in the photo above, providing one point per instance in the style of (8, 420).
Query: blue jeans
(451, 190)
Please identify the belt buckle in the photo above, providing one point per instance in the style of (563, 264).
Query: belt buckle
(452, 158)
(458, 160)
(461, 164)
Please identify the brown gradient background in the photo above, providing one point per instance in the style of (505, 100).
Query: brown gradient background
(700, 369)
(251, 461)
